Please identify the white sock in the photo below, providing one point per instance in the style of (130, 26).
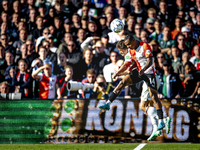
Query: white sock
(151, 111)
(160, 120)
(108, 102)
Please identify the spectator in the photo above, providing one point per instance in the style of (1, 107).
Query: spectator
(189, 42)
(31, 25)
(40, 39)
(50, 55)
(195, 60)
(31, 52)
(43, 11)
(144, 36)
(109, 19)
(102, 24)
(101, 56)
(91, 78)
(180, 67)
(122, 13)
(192, 14)
(5, 5)
(58, 28)
(14, 25)
(38, 31)
(106, 44)
(84, 22)
(164, 14)
(4, 87)
(5, 17)
(53, 47)
(9, 79)
(69, 77)
(23, 80)
(73, 53)
(157, 34)
(88, 62)
(191, 79)
(160, 59)
(137, 29)
(76, 22)
(68, 27)
(101, 89)
(176, 60)
(48, 85)
(138, 12)
(5, 44)
(58, 9)
(181, 44)
(130, 24)
(43, 56)
(23, 55)
(68, 8)
(154, 47)
(178, 26)
(170, 84)
(4, 28)
(2, 59)
(109, 69)
(190, 25)
(92, 29)
(150, 26)
(9, 57)
(50, 17)
(151, 12)
(87, 11)
(59, 70)
(23, 33)
(81, 36)
(17, 9)
(63, 46)
(166, 42)
(90, 42)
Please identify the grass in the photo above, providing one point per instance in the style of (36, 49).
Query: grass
(164, 146)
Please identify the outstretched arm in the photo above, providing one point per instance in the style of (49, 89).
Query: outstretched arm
(121, 69)
(148, 64)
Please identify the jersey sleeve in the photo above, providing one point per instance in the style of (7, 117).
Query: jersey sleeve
(128, 58)
(147, 50)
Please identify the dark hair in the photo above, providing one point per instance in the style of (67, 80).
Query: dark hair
(191, 66)
(129, 37)
(121, 45)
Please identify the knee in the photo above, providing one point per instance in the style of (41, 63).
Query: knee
(142, 107)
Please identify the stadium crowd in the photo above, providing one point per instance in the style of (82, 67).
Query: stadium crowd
(46, 43)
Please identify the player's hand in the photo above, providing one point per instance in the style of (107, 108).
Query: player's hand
(141, 72)
(114, 76)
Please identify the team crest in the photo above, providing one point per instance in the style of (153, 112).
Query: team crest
(148, 52)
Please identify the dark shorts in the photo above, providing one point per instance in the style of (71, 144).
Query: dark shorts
(148, 78)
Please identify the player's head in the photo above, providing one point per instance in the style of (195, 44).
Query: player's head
(122, 47)
(129, 41)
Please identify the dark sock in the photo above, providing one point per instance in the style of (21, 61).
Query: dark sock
(160, 113)
(112, 97)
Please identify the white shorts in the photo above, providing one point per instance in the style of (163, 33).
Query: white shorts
(145, 91)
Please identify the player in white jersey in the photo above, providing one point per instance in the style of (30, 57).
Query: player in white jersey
(132, 78)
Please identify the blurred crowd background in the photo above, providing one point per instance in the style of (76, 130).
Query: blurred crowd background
(44, 44)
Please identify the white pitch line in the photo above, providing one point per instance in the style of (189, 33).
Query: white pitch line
(139, 147)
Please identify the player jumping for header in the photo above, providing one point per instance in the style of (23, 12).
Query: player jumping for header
(139, 54)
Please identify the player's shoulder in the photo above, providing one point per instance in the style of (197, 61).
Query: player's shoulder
(145, 46)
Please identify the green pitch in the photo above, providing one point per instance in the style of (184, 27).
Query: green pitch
(175, 146)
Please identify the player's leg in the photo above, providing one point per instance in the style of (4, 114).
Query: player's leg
(124, 82)
(147, 106)
(152, 86)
